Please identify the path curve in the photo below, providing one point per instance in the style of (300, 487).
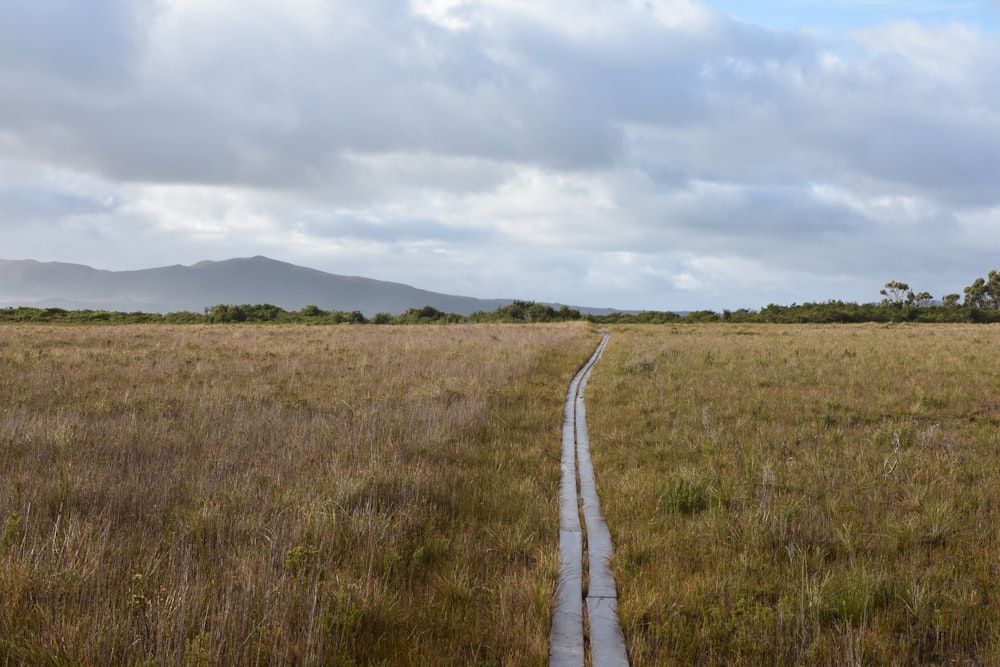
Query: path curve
(578, 489)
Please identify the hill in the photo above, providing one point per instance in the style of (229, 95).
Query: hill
(253, 280)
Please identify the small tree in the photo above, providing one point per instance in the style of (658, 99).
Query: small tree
(923, 299)
(984, 293)
(226, 313)
(975, 292)
(950, 300)
(896, 293)
(312, 311)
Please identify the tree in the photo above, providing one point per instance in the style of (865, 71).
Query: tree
(431, 313)
(896, 293)
(950, 300)
(423, 315)
(312, 311)
(984, 293)
(923, 299)
(226, 313)
(262, 312)
(975, 292)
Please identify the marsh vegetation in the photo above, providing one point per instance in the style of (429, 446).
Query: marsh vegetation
(802, 494)
(279, 495)
(187, 495)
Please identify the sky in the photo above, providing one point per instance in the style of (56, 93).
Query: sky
(634, 154)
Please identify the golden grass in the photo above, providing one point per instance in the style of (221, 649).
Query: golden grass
(280, 495)
(802, 494)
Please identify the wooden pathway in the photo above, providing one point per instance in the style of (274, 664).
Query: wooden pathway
(578, 491)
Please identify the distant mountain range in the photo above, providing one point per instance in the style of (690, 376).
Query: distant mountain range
(253, 280)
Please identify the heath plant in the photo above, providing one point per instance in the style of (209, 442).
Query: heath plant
(251, 495)
(802, 494)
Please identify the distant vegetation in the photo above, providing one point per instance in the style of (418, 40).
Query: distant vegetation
(899, 304)
(518, 311)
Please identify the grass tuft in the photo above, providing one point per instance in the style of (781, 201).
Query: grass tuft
(685, 496)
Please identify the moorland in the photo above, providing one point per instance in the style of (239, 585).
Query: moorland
(280, 495)
(245, 494)
(802, 494)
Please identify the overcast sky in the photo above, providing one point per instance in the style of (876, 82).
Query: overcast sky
(639, 154)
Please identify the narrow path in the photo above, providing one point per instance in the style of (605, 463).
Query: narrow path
(578, 490)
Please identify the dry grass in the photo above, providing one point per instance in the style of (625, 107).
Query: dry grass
(803, 495)
(280, 495)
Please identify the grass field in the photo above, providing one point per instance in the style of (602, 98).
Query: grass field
(281, 495)
(388, 495)
(802, 494)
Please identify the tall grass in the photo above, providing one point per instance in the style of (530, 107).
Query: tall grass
(285, 495)
(803, 495)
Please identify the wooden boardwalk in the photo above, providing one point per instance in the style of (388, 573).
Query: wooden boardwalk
(578, 489)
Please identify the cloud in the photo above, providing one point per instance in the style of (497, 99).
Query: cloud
(258, 93)
(651, 153)
(78, 45)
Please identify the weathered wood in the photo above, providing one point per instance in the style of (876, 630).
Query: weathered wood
(566, 642)
(607, 643)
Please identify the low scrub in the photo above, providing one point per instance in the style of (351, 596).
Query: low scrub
(802, 494)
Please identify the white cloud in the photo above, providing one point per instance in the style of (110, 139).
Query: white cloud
(445, 13)
(643, 153)
(203, 213)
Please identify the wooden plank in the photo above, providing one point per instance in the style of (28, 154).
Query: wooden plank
(566, 640)
(578, 485)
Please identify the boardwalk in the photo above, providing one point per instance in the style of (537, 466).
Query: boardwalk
(578, 490)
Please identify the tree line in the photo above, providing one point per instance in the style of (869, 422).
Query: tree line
(518, 311)
(899, 304)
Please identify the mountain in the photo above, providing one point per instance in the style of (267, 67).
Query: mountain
(251, 280)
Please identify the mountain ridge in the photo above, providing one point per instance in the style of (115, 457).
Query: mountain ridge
(240, 280)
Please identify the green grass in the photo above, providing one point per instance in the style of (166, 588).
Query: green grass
(281, 495)
(802, 494)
